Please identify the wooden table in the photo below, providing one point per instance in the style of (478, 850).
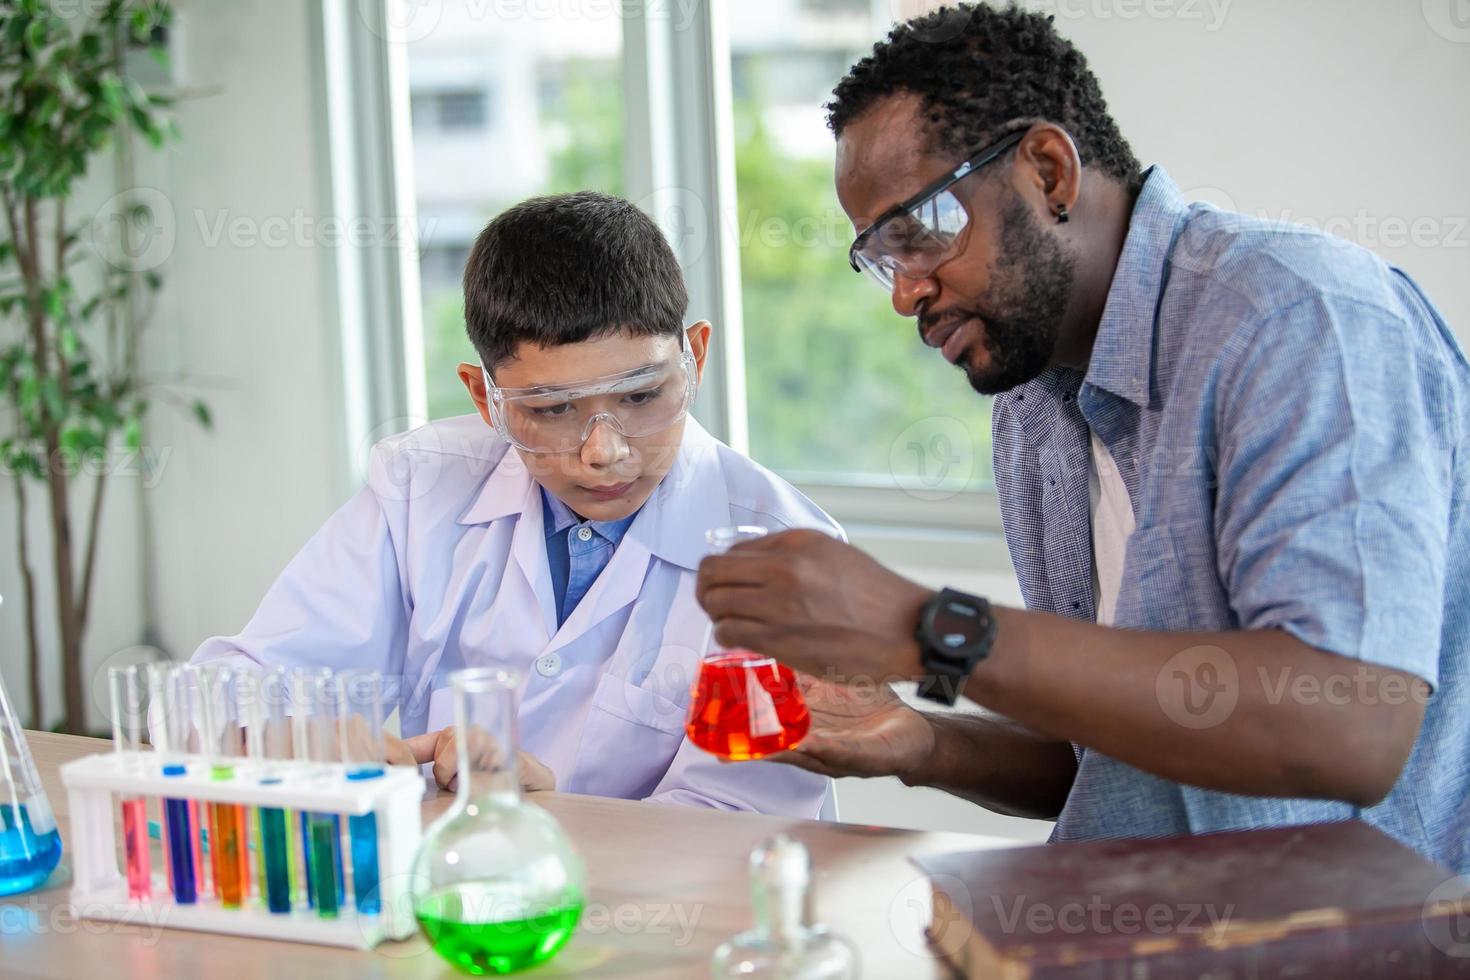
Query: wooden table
(667, 885)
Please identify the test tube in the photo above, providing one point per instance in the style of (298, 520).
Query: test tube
(201, 817)
(272, 744)
(168, 696)
(129, 692)
(319, 695)
(245, 706)
(365, 751)
(222, 744)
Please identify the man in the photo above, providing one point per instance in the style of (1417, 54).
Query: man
(1227, 452)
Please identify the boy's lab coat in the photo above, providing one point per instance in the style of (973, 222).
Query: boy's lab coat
(440, 563)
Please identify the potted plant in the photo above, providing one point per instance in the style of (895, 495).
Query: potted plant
(72, 303)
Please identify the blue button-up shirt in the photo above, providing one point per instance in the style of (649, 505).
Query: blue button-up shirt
(1290, 416)
(577, 556)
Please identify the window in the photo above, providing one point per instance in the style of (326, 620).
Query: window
(840, 391)
(503, 109)
(837, 393)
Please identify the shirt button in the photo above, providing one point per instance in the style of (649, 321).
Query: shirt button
(549, 665)
(584, 534)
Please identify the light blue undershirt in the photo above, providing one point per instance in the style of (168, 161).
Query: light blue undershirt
(576, 558)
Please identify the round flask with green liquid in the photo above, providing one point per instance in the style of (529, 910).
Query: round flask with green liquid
(496, 886)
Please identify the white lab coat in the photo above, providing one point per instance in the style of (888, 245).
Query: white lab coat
(440, 563)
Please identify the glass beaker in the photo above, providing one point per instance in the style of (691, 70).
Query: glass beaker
(745, 705)
(496, 885)
(29, 843)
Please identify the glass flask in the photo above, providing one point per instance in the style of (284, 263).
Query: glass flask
(496, 885)
(745, 705)
(783, 943)
(29, 843)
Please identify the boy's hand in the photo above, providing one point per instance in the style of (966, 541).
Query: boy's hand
(442, 749)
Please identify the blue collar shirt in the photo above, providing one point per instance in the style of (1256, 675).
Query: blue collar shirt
(1291, 417)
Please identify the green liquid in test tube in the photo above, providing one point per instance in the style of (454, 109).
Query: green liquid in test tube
(320, 695)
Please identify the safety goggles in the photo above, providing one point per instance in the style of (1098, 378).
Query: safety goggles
(559, 418)
(917, 236)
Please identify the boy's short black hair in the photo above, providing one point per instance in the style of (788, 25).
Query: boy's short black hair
(980, 69)
(568, 268)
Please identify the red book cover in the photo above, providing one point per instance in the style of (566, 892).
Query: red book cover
(1338, 900)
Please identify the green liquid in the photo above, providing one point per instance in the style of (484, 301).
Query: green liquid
(324, 865)
(481, 948)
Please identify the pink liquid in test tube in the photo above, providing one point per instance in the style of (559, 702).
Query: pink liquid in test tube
(135, 841)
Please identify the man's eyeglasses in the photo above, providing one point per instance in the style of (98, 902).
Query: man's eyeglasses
(915, 237)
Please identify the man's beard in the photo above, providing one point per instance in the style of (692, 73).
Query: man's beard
(1030, 284)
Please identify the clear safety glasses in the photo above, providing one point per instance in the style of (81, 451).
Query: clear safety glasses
(559, 418)
(915, 237)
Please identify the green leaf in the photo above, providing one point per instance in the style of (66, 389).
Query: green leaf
(69, 343)
(133, 434)
(52, 397)
(203, 414)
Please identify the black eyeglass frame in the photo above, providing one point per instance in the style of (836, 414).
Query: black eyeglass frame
(971, 164)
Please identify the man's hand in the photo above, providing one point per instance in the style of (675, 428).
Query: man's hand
(441, 749)
(860, 730)
(817, 604)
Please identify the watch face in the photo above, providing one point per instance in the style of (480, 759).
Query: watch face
(956, 624)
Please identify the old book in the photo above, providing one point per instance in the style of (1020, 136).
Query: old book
(1338, 900)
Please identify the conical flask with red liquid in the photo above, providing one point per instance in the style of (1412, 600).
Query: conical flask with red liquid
(745, 705)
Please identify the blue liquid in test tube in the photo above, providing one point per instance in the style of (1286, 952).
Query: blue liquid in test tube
(180, 845)
(364, 832)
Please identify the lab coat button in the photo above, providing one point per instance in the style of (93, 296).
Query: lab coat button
(549, 665)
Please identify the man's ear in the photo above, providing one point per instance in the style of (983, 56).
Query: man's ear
(1053, 166)
(474, 381)
(699, 335)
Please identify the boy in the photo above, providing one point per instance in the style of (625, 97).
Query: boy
(557, 533)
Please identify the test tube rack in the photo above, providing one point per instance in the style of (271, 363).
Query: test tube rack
(99, 890)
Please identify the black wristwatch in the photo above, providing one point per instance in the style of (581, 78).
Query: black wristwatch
(956, 632)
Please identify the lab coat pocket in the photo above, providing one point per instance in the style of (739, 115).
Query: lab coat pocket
(628, 741)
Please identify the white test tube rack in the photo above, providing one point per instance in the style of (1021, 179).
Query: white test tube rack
(100, 891)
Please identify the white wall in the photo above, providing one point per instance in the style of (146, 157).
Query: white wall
(246, 322)
(249, 316)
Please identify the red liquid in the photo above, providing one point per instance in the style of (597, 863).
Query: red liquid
(135, 841)
(746, 706)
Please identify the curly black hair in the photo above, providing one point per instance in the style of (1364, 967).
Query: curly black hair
(982, 70)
